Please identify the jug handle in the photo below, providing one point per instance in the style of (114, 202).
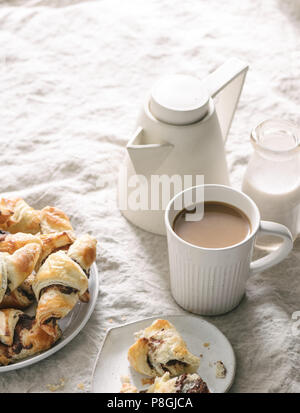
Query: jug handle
(225, 86)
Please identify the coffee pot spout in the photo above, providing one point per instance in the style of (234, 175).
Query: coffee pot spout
(146, 157)
(225, 85)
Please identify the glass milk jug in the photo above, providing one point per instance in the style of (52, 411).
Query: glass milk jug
(272, 178)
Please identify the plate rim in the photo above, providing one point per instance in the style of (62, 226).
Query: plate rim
(110, 329)
(35, 359)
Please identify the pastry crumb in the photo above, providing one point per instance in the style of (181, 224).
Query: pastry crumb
(220, 370)
(54, 387)
(127, 387)
(110, 320)
(148, 381)
(123, 318)
(80, 386)
(206, 344)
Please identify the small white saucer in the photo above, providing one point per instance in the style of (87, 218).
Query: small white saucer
(202, 338)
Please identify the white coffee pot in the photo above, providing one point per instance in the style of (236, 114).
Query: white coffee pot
(181, 132)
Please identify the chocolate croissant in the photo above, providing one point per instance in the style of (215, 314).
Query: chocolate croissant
(22, 297)
(16, 267)
(8, 321)
(83, 252)
(21, 336)
(54, 220)
(17, 216)
(53, 242)
(185, 383)
(57, 287)
(160, 349)
(50, 243)
(12, 242)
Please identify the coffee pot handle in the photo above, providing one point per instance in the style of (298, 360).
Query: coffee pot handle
(272, 228)
(225, 85)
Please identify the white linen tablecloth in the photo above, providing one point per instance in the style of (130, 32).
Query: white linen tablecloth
(73, 75)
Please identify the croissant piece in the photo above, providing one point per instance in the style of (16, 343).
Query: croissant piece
(127, 387)
(22, 297)
(8, 321)
(83, 251)
(59, 269)
(5, 213)
(12, 242)
(160, 349)
(28, 339)
(85, 298)
(54, 220)
(16, 267)
(57, 287)
(185, 383)
(55, 303)
(17, 216)
(16, 299)
(52, 243)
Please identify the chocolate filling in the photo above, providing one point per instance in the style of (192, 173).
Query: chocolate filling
(194, 386)
(25, 322)
(30, 297)
(155, 340)
(87, 272)
(173, 362)
(154, 343)
(164, 368)
(149, 363)
(17, 346)
(50, 320)
(180, 382)
(62, 288)
(43, 261)
(67, 290)
(5, 350)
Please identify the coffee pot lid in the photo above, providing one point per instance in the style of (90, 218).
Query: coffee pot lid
(179, 100)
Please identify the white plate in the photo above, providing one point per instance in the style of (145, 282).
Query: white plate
(111, 363)
(70, 325)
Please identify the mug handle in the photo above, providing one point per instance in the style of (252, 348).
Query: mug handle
(272, 228)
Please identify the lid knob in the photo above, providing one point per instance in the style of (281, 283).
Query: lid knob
(179, 100)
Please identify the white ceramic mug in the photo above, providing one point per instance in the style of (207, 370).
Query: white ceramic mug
(212, 281)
